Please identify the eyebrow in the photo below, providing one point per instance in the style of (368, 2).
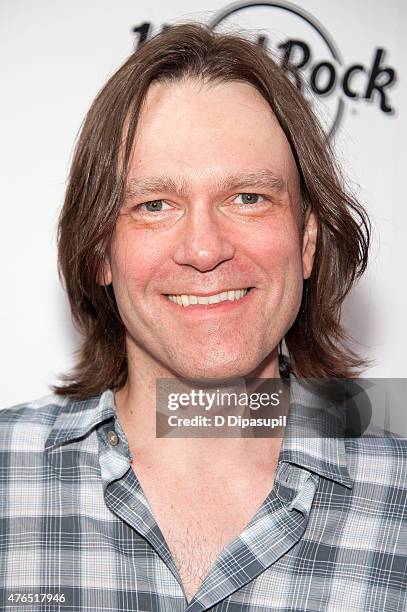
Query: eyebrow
(266, 179)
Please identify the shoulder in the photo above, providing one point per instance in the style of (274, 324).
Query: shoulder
(43, 410)
(378, 459)
(31, 421)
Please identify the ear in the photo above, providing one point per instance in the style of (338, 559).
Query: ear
(104, 276)
(309, 241)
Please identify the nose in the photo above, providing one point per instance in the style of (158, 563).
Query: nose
(203, 243)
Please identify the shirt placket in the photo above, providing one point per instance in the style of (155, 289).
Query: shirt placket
(275, 528)
(125, 498)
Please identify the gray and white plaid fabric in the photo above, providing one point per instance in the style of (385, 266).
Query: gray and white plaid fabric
(77, 532)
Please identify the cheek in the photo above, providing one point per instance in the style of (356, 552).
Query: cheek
(278, 252)
(279, 255)
(135, 259)
(282, 263)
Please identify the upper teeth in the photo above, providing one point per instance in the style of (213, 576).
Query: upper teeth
(187, 300)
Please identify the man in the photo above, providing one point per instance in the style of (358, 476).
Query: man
(204, 224)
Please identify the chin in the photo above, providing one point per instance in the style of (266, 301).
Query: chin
(216, 371)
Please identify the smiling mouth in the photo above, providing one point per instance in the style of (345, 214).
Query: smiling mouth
(185, 300)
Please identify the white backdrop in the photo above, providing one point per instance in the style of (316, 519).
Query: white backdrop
(56, 54)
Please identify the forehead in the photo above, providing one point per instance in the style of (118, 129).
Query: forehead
(207, 130)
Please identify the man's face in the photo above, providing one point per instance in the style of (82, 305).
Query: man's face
(212, 207)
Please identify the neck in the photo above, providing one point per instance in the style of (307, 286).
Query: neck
(136, 410)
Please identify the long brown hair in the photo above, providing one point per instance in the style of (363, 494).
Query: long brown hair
(317, 344)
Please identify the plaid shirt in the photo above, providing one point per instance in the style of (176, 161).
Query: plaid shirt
(76, 526)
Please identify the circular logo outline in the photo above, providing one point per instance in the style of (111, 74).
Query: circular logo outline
(299, 12)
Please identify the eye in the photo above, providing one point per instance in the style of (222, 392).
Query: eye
(153, 206)
(249, 198)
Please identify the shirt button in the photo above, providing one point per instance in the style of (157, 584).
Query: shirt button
(113, 438)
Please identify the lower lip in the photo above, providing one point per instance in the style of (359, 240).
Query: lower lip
(219, 307)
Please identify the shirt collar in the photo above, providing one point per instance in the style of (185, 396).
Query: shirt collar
(79, 417)
(314, 436)
(315, 433)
